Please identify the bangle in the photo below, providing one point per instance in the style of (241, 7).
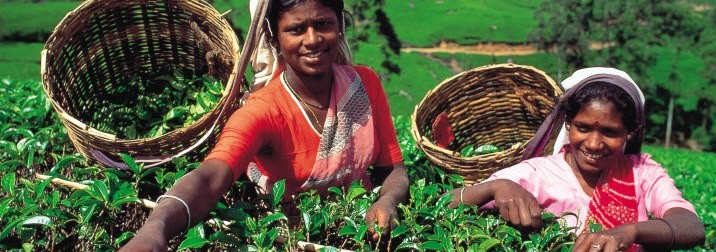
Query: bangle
(673, 235)
(188, 212)
(461, 192)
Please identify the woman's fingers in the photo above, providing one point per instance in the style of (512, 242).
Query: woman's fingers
(535, 214)
(520, 213)
(598, 242)
(583, 243)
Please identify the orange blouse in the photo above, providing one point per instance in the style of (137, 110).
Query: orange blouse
(272, 131)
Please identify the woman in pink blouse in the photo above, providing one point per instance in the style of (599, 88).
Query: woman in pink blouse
(597, 172)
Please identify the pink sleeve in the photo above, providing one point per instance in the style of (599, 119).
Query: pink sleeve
(389, 150)
(658, 189)
(243, 136)
(521, 173)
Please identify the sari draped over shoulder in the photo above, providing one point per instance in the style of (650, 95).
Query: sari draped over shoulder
(614, 200)
(347, 143)
(347, 140)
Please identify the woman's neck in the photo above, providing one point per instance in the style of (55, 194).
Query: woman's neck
(588, 181)
(315, 89)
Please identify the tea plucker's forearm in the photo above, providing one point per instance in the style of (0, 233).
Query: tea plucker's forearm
(396, 184)
(200, 189)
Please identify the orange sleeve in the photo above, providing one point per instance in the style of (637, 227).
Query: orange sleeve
(389, 152)
(244, 134)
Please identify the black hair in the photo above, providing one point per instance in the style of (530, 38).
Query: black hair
(276, 7)
(605, 92)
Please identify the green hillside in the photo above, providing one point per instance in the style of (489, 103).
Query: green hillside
(423, 23)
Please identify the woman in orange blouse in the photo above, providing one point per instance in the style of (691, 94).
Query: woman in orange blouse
(318, 122)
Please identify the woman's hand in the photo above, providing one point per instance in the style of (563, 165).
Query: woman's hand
(516, 205)
(619, 238)
(145, 243)
(384, 214)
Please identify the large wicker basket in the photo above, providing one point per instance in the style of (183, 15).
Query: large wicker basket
(98, 46)
(501, 105)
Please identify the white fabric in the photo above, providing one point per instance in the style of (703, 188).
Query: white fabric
(577, 77)
(263, 59)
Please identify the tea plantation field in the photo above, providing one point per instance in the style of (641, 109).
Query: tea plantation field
(37, 214)
(99, 209)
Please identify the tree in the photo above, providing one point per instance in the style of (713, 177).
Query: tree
(570, 28)
(372, 25)
(625, 35)
(679, 29)
(707, 95)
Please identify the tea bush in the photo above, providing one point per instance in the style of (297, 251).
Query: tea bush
(37, 214)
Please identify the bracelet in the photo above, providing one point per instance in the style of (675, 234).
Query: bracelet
(188, 212)
(461, 192)
(673, 235)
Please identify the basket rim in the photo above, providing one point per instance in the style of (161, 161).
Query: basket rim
(425, 144)
(74, 16)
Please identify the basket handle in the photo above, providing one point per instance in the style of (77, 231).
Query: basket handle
(239, 70)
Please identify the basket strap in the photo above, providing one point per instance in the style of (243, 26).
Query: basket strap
(239, 71)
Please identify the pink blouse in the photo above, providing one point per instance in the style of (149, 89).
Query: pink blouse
(552, 182)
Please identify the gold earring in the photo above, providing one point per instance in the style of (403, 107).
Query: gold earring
(566, 127)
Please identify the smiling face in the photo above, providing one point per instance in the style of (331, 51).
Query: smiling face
(597, 136)
(308, 37)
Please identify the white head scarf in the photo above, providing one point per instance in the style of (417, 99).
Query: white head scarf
(579, 76)
(266, 59)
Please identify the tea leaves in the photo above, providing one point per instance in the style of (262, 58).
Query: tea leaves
(105, 211)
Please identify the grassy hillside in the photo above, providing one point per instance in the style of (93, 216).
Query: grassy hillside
(21, 61)
(423, 23)
(32, 20)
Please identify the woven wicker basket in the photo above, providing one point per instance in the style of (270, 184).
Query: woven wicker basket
(98, 46)
(501, 105)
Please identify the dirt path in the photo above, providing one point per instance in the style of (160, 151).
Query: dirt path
(496, 49)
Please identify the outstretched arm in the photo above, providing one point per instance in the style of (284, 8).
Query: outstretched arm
(201, 189)
(516, 205)
(394, 190)
(679, 229)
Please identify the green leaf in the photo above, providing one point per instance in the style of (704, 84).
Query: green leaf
(407, 245)
(64, 162)
(277, 192)
(399, 230)
(39, 220)
(99, 191)
(486, 149)
(4, 207)
(122, 201)
(431, 245)
(362, 230)
(193, 243)
(123, 238)
(348, 230)
(86, 213)
(9, 227)
(40, 189)
(129, 161)
(467, 151)
(488, 244)
(223, 237)
(335, 190)
(355, 191)
(268, 220)
(28, 247)
(8, 183)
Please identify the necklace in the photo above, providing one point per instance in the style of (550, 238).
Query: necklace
(283, 76)
(321, 107)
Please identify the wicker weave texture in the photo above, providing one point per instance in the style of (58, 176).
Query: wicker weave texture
(98, 47)
(501, 105)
